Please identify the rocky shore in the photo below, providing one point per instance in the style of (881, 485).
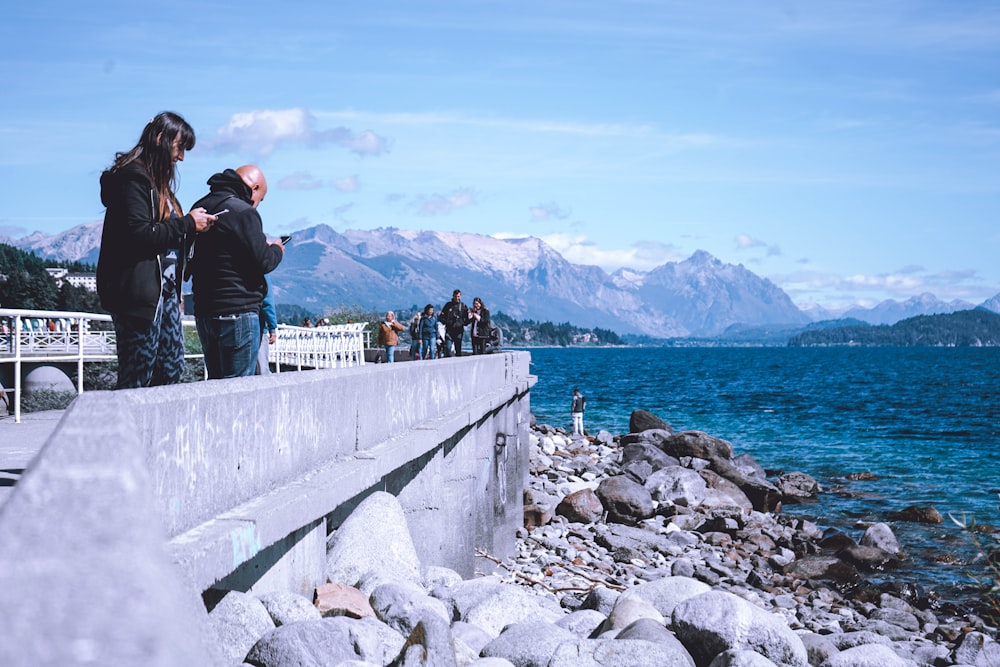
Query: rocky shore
(648, 548)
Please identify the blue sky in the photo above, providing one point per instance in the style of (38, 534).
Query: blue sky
(848, 151)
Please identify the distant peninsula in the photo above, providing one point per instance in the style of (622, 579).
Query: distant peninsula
(978, 327)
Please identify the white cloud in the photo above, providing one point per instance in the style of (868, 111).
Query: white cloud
(261, 132)
(300, 180)
(547, 211)
(642, 256)
(347, 183)
(746, 242)
(443, 204)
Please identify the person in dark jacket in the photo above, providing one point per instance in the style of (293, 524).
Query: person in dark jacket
(228, 267)
(428, 329)
(144, 226)
(454, 316)
(479, 315)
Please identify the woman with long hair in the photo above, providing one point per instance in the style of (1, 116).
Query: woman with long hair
(138, 279)
(479, 315)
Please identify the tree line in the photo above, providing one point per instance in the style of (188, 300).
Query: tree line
(966, 328)
(25, 283)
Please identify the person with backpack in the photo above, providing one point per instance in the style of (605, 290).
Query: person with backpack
(454, 316)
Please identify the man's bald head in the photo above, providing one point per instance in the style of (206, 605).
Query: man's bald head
(254, 179)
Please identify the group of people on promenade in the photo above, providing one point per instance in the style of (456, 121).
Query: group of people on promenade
(425, 330)
(149, 247)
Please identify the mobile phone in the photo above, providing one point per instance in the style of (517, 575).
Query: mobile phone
(285, 240)
(225, 210)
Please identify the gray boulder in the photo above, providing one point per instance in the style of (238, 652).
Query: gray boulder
(619, 653)
(401, 605)
(666, 593)
(429, 645)
(510, 604)
(286, 607)
(321, 643)
(642, 420)
(651, 454)
(680, 486)
(625, 500)
(716, 621)
(374, 537)
(868, 655)
(880, 536)
(582, 622)
(528, 644)
(797, 486)
(978, 649)
(740, 658)
(237, 622)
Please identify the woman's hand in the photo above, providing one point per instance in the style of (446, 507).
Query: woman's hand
(202, 219)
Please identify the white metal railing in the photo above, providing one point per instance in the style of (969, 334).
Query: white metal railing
(331, 346)
(48, 336)
(37, 336)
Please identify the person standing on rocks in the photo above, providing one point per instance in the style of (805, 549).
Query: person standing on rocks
(579, 403)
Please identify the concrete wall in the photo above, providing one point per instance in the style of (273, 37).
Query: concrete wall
(237, 483)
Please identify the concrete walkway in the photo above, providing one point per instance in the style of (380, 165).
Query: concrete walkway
(20, 442)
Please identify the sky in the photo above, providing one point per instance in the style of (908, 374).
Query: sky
(847, 151)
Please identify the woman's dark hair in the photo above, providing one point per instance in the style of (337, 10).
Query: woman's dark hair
(428, 307)
(480, 302)
(154, 152)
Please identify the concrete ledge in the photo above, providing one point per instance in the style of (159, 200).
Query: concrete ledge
(141, 499)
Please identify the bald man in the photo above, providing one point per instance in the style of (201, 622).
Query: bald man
(228, 269)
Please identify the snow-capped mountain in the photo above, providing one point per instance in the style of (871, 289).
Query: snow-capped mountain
(80, 243)
(890, 311)
(993, 303)
(525, 278)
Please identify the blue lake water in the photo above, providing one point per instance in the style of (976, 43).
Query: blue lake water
(925, 421)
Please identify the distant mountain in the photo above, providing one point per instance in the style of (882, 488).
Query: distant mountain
(890, 311)
(81, 243)
(978, 327)
(525, 278)
(993, 303)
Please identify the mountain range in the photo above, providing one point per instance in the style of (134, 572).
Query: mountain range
(525, 278)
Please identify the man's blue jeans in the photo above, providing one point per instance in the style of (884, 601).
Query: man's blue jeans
(230, 344)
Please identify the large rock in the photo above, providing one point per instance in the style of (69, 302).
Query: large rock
(625, 500)
(740, 658)
(824, 568)
(720, 492)
(402, 605)
(510, 604)
(867, 655)
(286, 607)
(918, 514)
(314, 643)
(528, 644)
(680, 486)
(796, 487)
(374, 537)
(429, 645)
(666, 593)
(641, 420)
(237, 622)
(619, 653)
(648, 452)
(696, 444)
(582, 506)
(880, 536)
(716, 621)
